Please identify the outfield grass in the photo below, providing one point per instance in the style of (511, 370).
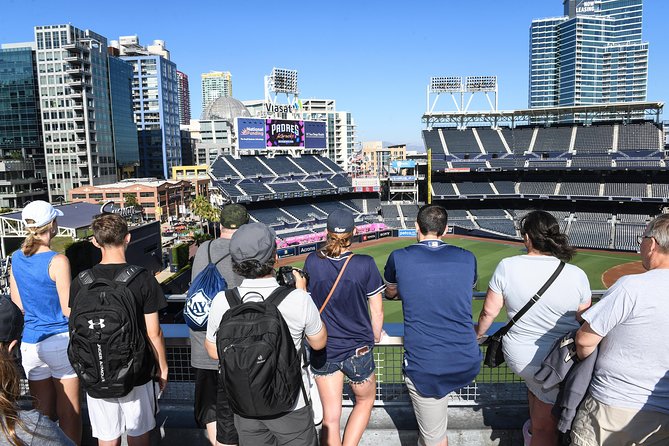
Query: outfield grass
(488, 255)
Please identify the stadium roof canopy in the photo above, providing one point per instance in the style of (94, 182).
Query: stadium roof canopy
(615, 111)
(75, 216)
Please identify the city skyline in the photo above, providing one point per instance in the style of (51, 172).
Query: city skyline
(376, 62)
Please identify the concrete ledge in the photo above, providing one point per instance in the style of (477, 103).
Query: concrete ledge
(389, 425)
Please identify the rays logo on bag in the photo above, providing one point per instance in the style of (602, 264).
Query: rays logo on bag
(201, 292)
(198, 307)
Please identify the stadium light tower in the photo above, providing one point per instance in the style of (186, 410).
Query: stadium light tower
(461, 86)
(283, 82)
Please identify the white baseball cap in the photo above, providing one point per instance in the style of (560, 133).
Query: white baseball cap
(40, 212)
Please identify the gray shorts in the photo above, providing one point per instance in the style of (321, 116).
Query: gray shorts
(294, 428)
(431, 415)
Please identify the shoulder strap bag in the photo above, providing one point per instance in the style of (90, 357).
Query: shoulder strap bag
(341, 273)
(494, 355)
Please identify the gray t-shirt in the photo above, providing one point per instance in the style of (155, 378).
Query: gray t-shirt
(40, 431)
(219, 248)
(297, 309)
(632, 367)
(518, 279)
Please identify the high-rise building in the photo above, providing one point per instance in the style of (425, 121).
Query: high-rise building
(126, 147)
(593, 54)
(184, 98)
(22, 170)
(214, 85)
(155, 104)
(73, 81)
(340, 128)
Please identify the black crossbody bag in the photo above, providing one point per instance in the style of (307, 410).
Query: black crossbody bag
(494, 355)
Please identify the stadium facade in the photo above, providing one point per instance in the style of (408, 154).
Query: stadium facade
(593, 54)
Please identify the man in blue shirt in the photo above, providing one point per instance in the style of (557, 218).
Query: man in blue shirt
(434, 280)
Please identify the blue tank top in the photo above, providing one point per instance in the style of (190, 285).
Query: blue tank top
(43, 314)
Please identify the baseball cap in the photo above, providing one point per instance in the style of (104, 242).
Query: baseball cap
(233, 216)
(40, 212)
(340, 221)
(253, 241)
(11, 320)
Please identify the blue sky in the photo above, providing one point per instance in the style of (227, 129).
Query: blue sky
(374, 57)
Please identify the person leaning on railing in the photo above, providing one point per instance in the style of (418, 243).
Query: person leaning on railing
(513, 283)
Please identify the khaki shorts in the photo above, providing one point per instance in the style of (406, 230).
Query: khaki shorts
(597, 423)
(431, 415)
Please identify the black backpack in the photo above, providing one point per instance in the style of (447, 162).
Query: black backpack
(260, 367)
(108, 349)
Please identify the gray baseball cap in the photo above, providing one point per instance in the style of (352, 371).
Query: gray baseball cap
(253, 241)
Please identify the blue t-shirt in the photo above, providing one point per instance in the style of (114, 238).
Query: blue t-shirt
(435, 283)
(39, 297)
(346, 316)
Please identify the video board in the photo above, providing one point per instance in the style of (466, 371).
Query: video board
(259, 134)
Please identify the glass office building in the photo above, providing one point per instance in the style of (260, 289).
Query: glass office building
(125, 131)
(22, 170)
(593, 54)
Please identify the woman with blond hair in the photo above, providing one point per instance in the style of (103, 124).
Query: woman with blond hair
(343, 286)
(40, 287)
(19, 427)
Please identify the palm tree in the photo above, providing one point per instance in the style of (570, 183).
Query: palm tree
(204, 210)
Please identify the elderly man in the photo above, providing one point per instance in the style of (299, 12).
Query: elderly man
(629, 393)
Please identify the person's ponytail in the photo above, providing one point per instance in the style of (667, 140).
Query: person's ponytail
(336, 244)
(33, 242)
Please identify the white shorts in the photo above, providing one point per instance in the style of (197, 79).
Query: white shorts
(431, 415)
(47, 358)
(134, 413)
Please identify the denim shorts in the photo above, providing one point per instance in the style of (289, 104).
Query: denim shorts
(357, 368)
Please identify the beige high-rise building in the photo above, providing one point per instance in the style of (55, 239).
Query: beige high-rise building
(214, 85)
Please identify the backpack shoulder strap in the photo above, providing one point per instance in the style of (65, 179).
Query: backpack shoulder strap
(86, 277)
(128, 274)
(278, 295)
(209, 252)
(233, 297)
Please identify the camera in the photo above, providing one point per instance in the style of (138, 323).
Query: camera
(285, 276)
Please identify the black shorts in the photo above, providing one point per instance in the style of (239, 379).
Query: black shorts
(211, 404)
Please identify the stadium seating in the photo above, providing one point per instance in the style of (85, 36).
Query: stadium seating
(311, 164)
(502, 226)
(601, 161)
(283, 166)
(639, 136)
(626, 236)
(432, 141)
(491, 140)
(340, 181)
(519, 139)
(488, 213)
(660, 190)
(443, 189)
(291, 186)
(457, 214)
(251, 188)
(471, 188)
(221, 168)
(595, 138)
(271, 216)
(460, 141)
(537, 188)
(579, 189)
(317, 184)
(590, 234)
(592, 216)
(625, 190)
(505, 187)
(552, 139)
(249, 166)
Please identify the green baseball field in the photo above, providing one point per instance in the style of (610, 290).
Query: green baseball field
(488, 254)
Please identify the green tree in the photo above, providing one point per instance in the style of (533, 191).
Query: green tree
(131, 200)
(203, 209)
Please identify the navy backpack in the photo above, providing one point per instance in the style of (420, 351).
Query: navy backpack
(201, 292)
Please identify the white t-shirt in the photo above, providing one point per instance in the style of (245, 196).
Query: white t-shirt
(297, 309)
(632, 368)
(518, 279)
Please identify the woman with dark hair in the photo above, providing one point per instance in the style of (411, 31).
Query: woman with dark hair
(40, 286)
(346, 288)
(514, 282)
(19, 427)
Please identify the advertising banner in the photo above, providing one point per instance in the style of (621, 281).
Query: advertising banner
(315, 136)
(384, 234)
(403, 164)
(366, 237)
(406, 233)
(285, 252)
(251, 133)
(402, 178)
(305, 249)
(284, 133)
